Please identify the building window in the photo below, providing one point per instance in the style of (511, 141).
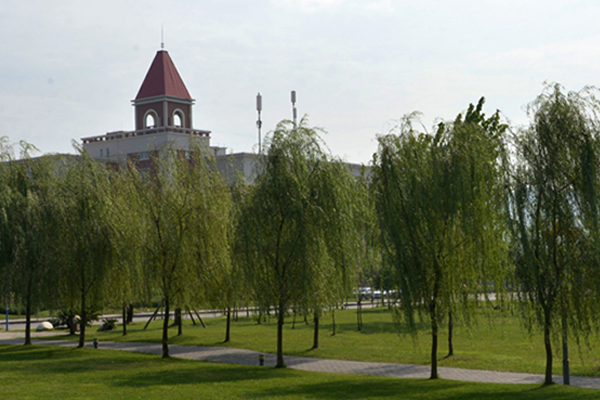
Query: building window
(144, 155)
(150, 119)
(178, 120)
(107, 152)
(101, 153)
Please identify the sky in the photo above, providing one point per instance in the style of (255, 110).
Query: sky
(69, 69)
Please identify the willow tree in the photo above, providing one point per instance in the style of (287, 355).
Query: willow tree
(6, 237)
(296, 230)
(232, 289)
(340, 198)
(87, 244)
(127, 281)
(555, 215)
(183, 210)
(27, 229)
(31, 221)
(440, 214)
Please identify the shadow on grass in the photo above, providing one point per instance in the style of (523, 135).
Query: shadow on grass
(18, 353)
(379, 327)
(206, 373)
(124, 367)
(61, 337)
(426, 389)
(49, 360)
(120, 369)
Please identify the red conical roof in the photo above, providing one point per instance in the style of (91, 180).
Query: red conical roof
(163, 79)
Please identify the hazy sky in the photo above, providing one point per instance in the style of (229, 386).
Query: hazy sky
(68, 69)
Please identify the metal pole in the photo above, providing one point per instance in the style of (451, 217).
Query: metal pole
(294, 113)
(259, 122)
(7, 316)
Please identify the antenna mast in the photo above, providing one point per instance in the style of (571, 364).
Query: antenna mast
(259, 122)
(294, 113)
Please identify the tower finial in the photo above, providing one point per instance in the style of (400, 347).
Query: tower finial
(162, 37)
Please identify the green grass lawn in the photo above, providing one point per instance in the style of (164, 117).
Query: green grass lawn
(34, 372)
(497, 343)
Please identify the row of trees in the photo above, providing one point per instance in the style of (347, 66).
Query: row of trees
(80, 235)
(475, 208)
(449, 217)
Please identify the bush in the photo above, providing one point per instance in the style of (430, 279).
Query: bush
(64, 318)
(108, 324)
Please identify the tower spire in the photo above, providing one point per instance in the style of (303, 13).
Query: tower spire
(162, 37)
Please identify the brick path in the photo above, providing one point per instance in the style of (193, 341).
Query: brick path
(247, 357)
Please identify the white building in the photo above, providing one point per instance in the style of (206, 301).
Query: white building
(163, 117)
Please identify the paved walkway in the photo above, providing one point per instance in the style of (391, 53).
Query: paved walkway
(247, 357)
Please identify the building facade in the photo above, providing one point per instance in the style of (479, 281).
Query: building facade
(163, 117)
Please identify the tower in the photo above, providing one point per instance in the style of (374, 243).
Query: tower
(163, 100)
(163, 117)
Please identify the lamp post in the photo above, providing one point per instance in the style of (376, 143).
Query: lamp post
(259, 122)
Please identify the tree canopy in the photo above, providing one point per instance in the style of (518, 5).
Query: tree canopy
(440, 215)
(183, 208)
(297, 229)
(87, 251)
(555, 215)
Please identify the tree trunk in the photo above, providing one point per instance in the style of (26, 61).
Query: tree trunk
(359, 321)
(165, 335)
(228, 326)
(450, 326)
(179, 321)
(433, 312)
(548, 346)
(316, 334)
(82, 321)
(280, 321)
(124, 319)
(28, 315)
(333, 321)
(28, 322)
(565, 348)
(434, 341)
(130, 314)
(71, 323)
